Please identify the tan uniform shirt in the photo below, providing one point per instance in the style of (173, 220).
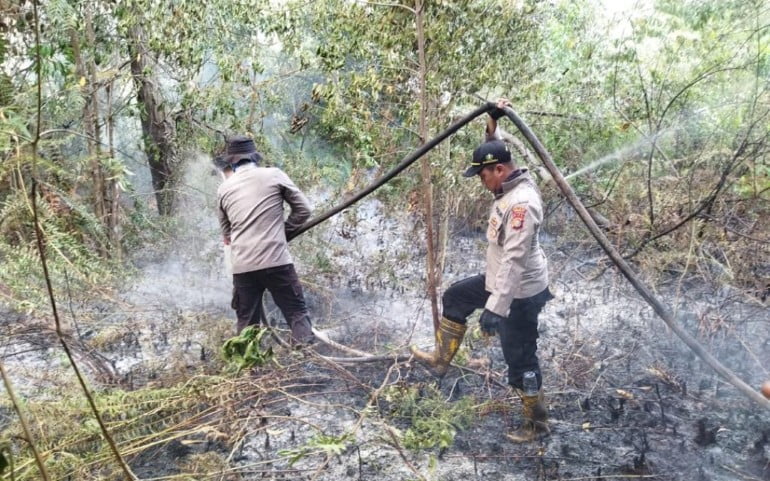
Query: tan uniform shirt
(251, 216)
(516, 264)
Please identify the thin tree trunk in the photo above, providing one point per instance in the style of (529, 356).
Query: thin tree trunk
(427, 187)
(88, 90)
(92, 119)
(112, 188)
(157, 129)
(443, 229)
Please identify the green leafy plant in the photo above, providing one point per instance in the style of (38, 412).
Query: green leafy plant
(331, 445)
(244, 350)
(434, 421)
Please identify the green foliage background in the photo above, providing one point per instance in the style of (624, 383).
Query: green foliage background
(329, 91)
(661, 118)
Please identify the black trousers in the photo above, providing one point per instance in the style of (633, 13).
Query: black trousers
(283, 284)
(518, 334)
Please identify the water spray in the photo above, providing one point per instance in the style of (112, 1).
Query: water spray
(618, 155)
(636, 147)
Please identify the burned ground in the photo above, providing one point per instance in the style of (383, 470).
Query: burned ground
(627, 399)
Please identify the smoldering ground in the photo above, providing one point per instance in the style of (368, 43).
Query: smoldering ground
(627, 399)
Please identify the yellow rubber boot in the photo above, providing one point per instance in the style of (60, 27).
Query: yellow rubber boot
(448, 338)
(535, 418)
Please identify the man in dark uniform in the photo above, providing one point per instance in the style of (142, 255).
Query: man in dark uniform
(250, 202)
(514, 288)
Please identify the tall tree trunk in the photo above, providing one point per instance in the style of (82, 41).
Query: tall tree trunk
(92, 120)
(427, 186)
(442, 238)
(157, 128)
(86, 72)
(113, 189)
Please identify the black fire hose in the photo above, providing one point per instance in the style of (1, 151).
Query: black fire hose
(406, 162)
(409, 160)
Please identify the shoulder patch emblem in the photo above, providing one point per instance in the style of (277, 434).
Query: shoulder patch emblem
(518, 214)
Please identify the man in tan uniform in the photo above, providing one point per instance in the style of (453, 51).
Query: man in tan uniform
(515, 286)
(250, 202)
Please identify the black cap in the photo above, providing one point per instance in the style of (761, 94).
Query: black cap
(241, 148)
(488, 153)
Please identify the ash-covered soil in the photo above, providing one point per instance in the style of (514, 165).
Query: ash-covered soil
(627, 399)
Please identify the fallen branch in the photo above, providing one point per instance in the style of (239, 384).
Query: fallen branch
(365, 359)
(357, 356)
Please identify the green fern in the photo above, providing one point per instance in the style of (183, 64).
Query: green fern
(244, 350)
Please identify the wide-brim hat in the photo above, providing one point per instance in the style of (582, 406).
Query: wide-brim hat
(488, 153)
(240, 148)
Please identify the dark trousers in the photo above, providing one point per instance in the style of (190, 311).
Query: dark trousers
(283, 284)
(518, 334)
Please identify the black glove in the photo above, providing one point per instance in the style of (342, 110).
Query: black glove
(496, 113)
(490, 322)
